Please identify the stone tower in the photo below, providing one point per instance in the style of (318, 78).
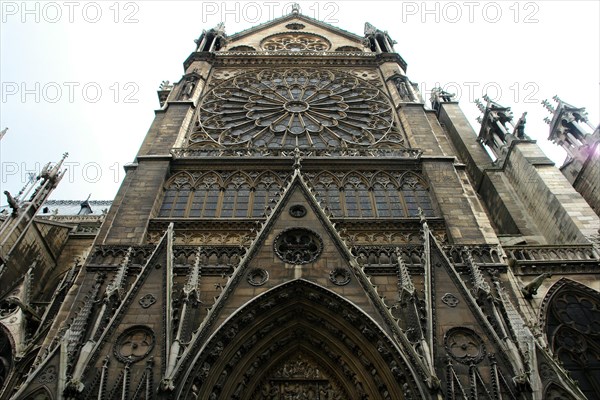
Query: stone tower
(299, 224)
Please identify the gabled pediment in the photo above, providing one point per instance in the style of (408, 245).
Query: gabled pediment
(294, 31)
(297, 248)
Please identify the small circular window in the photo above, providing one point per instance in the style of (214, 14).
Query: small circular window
(298, 246)
(297, 211)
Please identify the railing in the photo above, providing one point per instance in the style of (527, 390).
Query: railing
(254, 152)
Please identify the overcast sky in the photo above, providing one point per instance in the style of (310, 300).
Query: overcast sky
(81, 77)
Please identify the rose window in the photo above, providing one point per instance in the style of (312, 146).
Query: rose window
(295, 42)
(289, 108)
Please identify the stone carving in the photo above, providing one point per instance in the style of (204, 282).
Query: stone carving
(532, 287)
(134, 344)
(7, 308)
(188, 87)
(295, 108)
(295, 42)
(242, 48)
(295, 26)
(258, 277)
(348, 48)
(297, 211)
(298, 368)
(298, 246)
(147, 300)
(340, 276)
(48, 375)
(450, 300)
(464, 345)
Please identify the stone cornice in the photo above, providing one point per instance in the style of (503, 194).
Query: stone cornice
(278, 58)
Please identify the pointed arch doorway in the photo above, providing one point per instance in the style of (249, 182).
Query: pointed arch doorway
(300, 341)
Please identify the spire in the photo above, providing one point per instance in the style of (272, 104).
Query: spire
(569, 128)
(379, 41)
(498, 130)
(86, 208)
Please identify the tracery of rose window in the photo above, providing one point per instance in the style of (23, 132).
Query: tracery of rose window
(295, 42)
(288, 108)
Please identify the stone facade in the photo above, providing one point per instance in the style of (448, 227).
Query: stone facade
(299, 224)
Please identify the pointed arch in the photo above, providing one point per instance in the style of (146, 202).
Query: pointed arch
(40, 394)
(328, 186)
(387, 196)
(300, 319)
(177, 195)
(415, 192)
(6, 355)
(556, 392)
(267, 188)
(571, 315)
(181, 180)
(206, 195)
(357, 200)
(236, 195)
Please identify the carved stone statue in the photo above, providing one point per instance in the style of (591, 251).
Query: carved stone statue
(12, 202)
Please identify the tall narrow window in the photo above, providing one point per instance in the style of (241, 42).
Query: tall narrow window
(415, 196)
(357, 197)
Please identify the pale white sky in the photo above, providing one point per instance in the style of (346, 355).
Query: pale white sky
(55, 57)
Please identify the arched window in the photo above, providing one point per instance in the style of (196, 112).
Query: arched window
(357, 197)
(328, 189)
(236, 197)
(380, 196)
(217, 194)
(415, 195)
(206, 197)
(265, 190)
(177, 196)
(387, 197)
(573, 329)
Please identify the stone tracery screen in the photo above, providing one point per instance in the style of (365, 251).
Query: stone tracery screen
(296, 108)
(295, 42)
(353, 194)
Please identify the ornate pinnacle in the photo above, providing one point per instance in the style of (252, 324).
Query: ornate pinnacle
(480, 105)
(548, 106)
(556, 99)
(405, 281)
(547, 120)
(369, 29)
(192, 284)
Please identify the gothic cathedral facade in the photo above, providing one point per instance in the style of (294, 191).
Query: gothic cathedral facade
(299, 224)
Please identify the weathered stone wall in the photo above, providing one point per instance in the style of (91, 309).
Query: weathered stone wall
(465, 217)
(561, 214)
